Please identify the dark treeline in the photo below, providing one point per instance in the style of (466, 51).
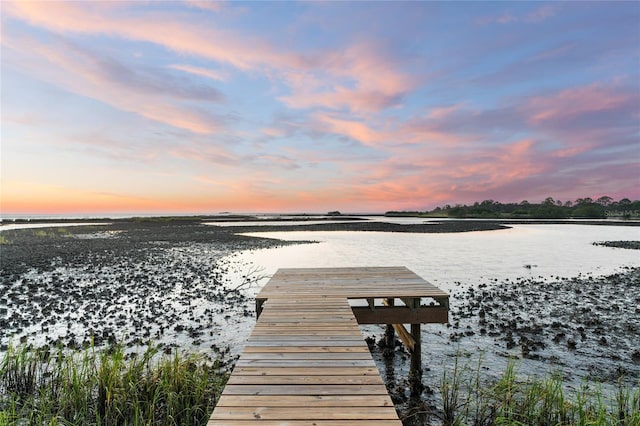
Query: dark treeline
(603, 207)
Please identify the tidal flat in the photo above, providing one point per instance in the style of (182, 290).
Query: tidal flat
(173, 281)
(128, 283)
(180, 285)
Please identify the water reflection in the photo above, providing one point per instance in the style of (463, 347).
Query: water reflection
(451, 260)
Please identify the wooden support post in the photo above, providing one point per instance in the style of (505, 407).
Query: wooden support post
(416, 354)
(259, 303)
(415, 370)
(389, 334)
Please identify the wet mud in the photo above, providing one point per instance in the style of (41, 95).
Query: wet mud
(590, 324)
(584, 328)
(126, 283)
(374, 226)
(631, 245)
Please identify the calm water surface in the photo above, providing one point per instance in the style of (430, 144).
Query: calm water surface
(451, 260)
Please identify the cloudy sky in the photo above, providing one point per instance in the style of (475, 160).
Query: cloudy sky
(202, 107)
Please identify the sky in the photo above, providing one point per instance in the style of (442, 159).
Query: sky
(200, 107)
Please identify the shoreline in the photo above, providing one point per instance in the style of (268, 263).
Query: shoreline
(330, 220)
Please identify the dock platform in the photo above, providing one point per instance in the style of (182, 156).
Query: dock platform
(306, 362)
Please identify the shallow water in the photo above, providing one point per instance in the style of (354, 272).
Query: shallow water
(534, 257)
(468, 258)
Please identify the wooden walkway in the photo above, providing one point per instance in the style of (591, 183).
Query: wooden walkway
(306, 362)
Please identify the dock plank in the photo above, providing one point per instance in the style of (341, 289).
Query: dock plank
(304, 389)
(308, 371)
(306, 400)
(308, 413)
(237, 379)
(244, 422)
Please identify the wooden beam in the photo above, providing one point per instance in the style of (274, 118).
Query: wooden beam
(404, 336)
(401, 315)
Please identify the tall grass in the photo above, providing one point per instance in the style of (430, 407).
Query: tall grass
(510, 400)
(107, 388)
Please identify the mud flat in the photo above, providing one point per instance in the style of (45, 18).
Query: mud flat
(631, 245)
(128, 282)
(375, 226)
(588, 327)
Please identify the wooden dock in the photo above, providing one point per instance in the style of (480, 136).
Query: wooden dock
(306, 362)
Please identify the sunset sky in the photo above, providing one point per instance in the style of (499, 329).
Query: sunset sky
(201, 107)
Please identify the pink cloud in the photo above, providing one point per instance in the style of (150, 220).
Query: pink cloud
(421, 149)
(439, 113)
(398, 185)
(489, 168)
(340, 97)
(204, 152)
(391, 133)
(411, 179)
(276, 160)
(353, 129)
(518, 160)
(567, 123)
(274, 132)
(573, 102)
(214, 75)
(159, 28)
(572, 151)
(358, 78)
(110, 82)
(214, 6)
(430, 131)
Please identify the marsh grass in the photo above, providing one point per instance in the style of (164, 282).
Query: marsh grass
(511, 400)
(107, 388)
(110, 388)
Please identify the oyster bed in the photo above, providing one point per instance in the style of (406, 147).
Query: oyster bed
(174, 284)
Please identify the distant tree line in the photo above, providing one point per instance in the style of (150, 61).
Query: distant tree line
(601, 208)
